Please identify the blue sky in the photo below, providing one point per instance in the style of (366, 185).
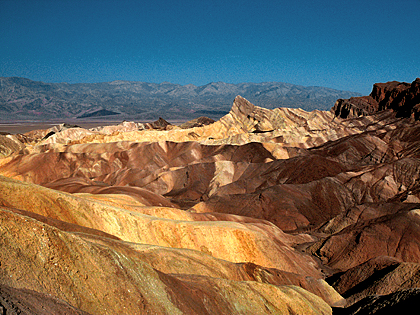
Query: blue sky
(347, 45)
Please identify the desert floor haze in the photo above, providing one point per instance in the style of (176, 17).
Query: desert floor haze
(261, 211)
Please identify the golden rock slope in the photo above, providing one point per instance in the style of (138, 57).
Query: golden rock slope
(106, 260)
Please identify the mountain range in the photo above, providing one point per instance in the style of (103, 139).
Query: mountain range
(24, 99)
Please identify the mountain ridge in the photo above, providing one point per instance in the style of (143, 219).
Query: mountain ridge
(22, 98)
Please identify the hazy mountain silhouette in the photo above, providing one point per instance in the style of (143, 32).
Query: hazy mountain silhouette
(22, 98)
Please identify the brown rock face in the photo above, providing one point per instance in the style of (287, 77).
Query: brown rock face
(381, 275)
(160, 124)
(355, 107)
(262, 212)
(402, 98)
(395, 234)
(198, 122)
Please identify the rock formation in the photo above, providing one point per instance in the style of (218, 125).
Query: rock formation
(261, 212)
(9, 144)
(402, 98)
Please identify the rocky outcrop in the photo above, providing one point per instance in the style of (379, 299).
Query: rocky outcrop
(402, 98)
(355, 107)
(125, 126)
(9, 144)
(160, 124)
(197, 122)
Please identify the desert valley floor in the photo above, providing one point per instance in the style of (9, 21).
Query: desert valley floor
(264, 211)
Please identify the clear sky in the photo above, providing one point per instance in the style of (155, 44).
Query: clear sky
(347, 45)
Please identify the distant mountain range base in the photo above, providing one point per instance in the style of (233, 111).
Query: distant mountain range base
(99, 113)
(24, 99)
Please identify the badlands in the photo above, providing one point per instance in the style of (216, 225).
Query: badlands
(264, 211)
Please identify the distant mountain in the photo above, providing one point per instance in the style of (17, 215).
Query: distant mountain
(21, 98)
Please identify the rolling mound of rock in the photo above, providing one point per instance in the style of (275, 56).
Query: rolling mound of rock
(72, 245)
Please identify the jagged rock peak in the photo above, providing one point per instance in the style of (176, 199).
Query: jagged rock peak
(242, 104)
(403, 98)
(160, 124)
(254, 118)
